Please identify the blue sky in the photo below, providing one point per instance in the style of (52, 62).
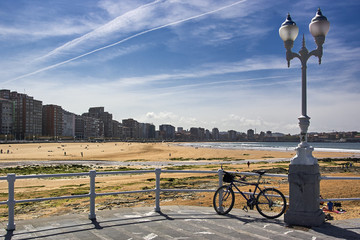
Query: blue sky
(202, 63)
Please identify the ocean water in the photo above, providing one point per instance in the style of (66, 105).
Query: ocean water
(278, 146)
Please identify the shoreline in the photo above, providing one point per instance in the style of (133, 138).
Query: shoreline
(273, 146)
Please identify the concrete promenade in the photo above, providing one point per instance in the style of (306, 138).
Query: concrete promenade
(174, 222)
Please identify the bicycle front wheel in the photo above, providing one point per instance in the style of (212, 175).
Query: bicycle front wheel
(271, 203)
(224, 199)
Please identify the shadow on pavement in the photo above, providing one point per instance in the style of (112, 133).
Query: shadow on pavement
(337, 232)
(72, 225)
(100, 225)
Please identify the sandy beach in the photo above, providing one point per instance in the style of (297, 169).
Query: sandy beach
(123, 151)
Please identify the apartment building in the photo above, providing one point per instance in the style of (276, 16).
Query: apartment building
(52, 120)
(68, 124)
(131, 128)
(232, 135)
(146, 131)
(117, 129)
(88, 127)
(27, 114)
(197, 134)
(167, 131)
(250, 134)
(215, 134)
(150, 129)
(105, 117)
(6, 119)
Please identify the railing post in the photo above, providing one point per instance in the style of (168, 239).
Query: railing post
(11, 201)
(157, 189)
(92, 194)
(220, 174)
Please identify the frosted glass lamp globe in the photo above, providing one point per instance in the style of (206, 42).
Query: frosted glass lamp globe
(288, 30)
(319, 25)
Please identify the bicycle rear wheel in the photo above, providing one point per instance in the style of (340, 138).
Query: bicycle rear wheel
(223, 200)
(271, 203)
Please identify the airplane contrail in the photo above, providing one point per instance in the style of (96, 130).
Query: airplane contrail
(79, 39)
(124, 40)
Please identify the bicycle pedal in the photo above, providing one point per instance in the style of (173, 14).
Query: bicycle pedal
(245, 209)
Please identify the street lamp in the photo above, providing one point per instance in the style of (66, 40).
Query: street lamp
(304, 176)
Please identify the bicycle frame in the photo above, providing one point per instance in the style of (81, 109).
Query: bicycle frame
(232, 184)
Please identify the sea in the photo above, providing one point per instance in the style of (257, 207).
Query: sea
(353, 147)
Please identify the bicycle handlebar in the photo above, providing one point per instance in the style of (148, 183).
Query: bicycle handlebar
(243, 178)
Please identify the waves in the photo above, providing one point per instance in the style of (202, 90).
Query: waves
(277, 146)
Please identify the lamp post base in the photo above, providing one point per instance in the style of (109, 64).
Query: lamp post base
(304, 208)
(306, 219)
(304, 155)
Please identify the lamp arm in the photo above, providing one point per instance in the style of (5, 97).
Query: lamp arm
(317, 53)
(291, 55)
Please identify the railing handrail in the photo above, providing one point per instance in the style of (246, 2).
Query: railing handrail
(339, 178)
(92, 194)
(163, 171)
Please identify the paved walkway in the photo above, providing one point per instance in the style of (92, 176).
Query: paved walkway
(175, 222)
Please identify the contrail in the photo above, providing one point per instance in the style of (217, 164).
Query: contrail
(79, 39)
(124, 40)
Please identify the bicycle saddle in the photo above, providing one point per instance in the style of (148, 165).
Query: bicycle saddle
(261, 172)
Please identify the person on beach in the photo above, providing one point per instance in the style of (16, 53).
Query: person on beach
(321, 200)
(330, 206)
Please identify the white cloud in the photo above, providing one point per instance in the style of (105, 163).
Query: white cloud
(170, 118)
(116, 8)
(207, 70)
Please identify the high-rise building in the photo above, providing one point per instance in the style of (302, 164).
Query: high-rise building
(207, 134)
(250, 134)
(151, 131)
(105, 117)
(37, 117)
(215, 134)
(88, 127)
(6, 116)
(131, 128)
(232, 135)
(68, 128)
(197, 134)
(27, 114)
(147, 131)
(117, 129)
(167, 131)
(52, 120)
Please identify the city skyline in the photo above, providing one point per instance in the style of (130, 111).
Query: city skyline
(24, 117)
(189, 63)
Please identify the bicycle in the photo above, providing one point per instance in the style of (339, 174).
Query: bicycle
(269, 202)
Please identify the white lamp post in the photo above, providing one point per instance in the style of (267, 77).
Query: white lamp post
(304, 176)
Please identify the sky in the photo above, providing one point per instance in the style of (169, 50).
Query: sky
(188, 63)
